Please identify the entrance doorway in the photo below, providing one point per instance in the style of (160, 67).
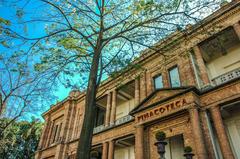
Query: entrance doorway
(124, 148)
(96, 153)
(175, 147)
(231, 116)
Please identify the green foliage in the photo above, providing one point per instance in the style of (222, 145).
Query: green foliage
(69, 43)
(160, 135)
(188, 149)
(4, 21)
(20, 139)
(150, 6)
(5, 44)
(19, 13)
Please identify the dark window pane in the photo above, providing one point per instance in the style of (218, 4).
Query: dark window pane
(174, 77)
(100, 116)
(55, 133)
(158, 83)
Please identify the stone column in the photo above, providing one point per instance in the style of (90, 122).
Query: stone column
(139, 145)
(108, 109)
(105, 150)
(137, 91)
(201, 65)
(111, 150)
(236, 27)
(113, 109)
(221, 133)
(197, 133)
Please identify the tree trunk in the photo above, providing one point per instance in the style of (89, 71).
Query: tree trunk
(1, 105)
(84, 144)
(85, 141)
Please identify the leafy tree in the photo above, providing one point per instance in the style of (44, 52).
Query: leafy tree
(20, 139)
(95, 38)
(21, 88)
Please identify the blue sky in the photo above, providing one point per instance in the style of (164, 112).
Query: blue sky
(33, 30)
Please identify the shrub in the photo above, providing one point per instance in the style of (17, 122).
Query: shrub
(160, 136)
(187, 149)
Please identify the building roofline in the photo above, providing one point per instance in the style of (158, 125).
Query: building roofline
(147, 53)
(184, 90)
(56, 106)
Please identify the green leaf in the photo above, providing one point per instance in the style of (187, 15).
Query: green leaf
(5, 44)
(4, 21)
(19, 13)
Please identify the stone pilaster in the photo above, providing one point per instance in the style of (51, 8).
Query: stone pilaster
(108, 109)
(221, 133)
(49, 134)
(66, 120)
(44, 134)
(137, 91)
(149, 83)
(201, 65)
(105, 150)
(113, 109)
(139, 145)
(236, 27)
(75, 123)
(111, 150)
(59, 151)
(37, 155)
(65, 128)
(165, 79)
(41, 142)
(143, 91)
(197, 133)
(72, 117)
(186, 71)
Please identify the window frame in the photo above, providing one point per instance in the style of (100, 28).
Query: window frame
(154, 84)
(169, 76)
(55, 133)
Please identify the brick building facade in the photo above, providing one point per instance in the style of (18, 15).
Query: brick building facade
(192, 94)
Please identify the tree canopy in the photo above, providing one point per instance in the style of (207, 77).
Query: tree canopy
(71, 32)
(20, 139)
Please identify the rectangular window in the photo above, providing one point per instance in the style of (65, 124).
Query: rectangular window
(174, 77)
(55, 133)
(158, 83)
(100, 116)
(58, 133)
(51, 133)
